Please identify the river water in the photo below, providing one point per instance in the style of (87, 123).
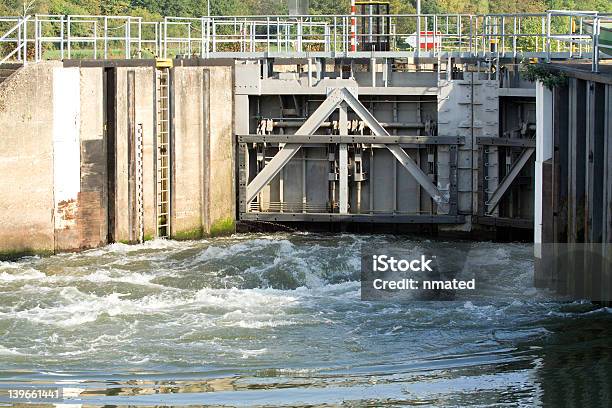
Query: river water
(277, 319)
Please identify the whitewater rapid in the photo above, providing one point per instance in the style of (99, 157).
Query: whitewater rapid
(278, 312)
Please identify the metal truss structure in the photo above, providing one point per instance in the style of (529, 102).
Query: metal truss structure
(343, 203)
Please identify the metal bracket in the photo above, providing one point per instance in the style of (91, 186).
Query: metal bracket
(507, 181)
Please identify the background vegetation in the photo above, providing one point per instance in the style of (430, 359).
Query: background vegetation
(154, 9)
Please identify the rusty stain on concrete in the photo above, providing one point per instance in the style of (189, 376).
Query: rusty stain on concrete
(67, 213)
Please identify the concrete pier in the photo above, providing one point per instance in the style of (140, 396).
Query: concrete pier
(67, 131)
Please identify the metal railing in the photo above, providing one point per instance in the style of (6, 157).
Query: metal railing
(14, 39)
(551, 35)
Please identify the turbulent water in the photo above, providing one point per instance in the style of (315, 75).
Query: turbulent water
(277, 320)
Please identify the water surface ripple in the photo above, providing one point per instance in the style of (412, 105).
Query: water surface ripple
(277, 320)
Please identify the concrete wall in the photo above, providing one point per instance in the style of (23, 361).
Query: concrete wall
(93, 195)
(144, 110)
(203, 198)
(190, 107)
(54, 153)
(221, 191)
(26, 161)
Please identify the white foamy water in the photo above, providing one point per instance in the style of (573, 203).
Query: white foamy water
(278, 318)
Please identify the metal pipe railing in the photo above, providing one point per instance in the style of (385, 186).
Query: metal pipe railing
(16, 33)
(550, 35)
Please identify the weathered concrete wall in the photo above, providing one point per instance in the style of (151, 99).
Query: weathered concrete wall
(221, 195)
(26, 161)
(144, 114)
(203, 189)
(93, 197)
(189, 106)
(54, 152)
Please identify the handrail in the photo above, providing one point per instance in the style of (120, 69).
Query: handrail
(547, 35)
(21, 48)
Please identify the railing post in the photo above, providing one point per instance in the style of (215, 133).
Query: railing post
(165, 50)
(418, 35)
(548, 16)
(62, 37)
(202, 37)
(36, 39)
(580, 43)
(214, 35)
(128, 35)
(208, 27)
(335, 48)
(18, 45)
(514, 51)
(299, 35)
(268, 34)
(595, 59)
(69, 42)
(140, 37)
(433, 34)
(278, 35)
(189, 50)
(25, 40)
(105, 37)
(471, 42)
(459, 32)
(157, 39)
(95, 50)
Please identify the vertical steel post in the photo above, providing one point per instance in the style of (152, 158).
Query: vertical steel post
(95, 47)
(69, 37)
(309, 72)
(418, 27)
(595, 58)
(25, 40)
(343, 160)
(353, 27)
(18, 45)
(140, 37)
(165, 47)
(105, 37)
(548, 16)
(373, 71)
(36, 39)
(202, 37)
(128, 35)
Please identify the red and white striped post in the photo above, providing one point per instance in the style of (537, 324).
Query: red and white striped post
(353, 27)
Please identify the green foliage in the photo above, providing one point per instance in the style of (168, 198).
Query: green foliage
(114, 7)
(550, 79)
(330, 6)
(197, 8)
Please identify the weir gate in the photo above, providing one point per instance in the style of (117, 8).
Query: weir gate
(371, 118)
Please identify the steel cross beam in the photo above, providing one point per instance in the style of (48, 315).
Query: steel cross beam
(290, 149)
(507, 181)
(399, 153)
